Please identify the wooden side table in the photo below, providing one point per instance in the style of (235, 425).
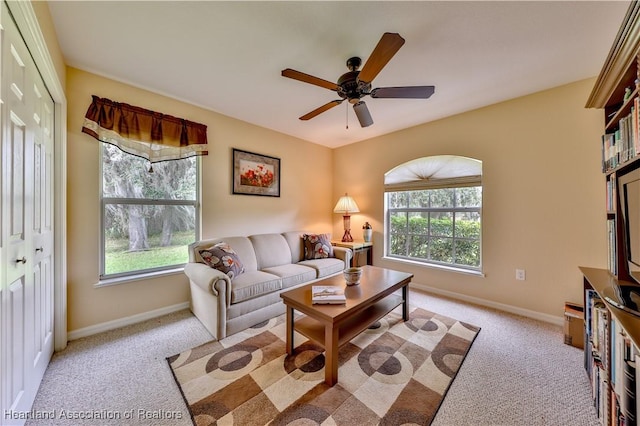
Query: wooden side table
(357, 247)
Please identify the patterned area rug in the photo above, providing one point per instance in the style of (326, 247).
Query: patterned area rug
(393, 373)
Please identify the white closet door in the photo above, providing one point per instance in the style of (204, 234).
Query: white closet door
(26, 308)
(42, 228)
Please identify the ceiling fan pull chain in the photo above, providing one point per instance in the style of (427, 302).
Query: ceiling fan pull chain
(347, 114)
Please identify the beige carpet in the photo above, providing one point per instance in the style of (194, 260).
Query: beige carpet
(395, 373)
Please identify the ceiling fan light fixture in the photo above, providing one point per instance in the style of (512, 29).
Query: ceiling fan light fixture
(362, 112)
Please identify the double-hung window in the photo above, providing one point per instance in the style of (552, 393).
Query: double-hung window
(433, 209)
(149, 216)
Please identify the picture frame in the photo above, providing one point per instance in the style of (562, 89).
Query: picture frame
(255, 174)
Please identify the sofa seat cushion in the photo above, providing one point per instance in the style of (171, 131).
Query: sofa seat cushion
(324, 267)
(248, 306)
(253, 284)
(292, 275)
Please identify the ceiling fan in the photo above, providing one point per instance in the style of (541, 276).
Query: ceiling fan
(356, 84)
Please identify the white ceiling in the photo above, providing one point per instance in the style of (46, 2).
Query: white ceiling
(227, 56)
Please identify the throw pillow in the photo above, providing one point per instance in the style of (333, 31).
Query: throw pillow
(317, 246)
(223, 258)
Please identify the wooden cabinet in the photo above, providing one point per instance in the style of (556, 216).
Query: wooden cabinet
(612, 335)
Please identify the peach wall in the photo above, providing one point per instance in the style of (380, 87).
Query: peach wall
(543, 194)
(305, 202)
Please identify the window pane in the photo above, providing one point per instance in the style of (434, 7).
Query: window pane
(398, 244)
(442, 250)
(468, 252)
(468, 225)
(419, 199)
(398, 222)
(442, 197)
(418, 223)
(418, 246)
(398, 200)
(442, 224)
(139, 237)
(469, 197)
(128, 176)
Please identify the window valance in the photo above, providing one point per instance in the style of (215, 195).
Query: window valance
(439, 171)
(147, 134)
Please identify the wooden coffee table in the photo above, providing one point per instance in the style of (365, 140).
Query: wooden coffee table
(334, 325)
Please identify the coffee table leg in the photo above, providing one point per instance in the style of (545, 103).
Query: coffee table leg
(405, 303)
(289, 330)
(330, 355)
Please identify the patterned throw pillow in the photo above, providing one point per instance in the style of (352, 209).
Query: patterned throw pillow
(317, 246)
(223, 258)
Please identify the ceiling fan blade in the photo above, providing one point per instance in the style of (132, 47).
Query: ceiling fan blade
(388, 46)
(306, 78)
(320, 110)
(412, 92)
(362, 112)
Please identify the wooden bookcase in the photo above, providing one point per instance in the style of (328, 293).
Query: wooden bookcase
(612, 336)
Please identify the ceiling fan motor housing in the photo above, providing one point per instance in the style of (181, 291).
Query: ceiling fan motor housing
(350, 87)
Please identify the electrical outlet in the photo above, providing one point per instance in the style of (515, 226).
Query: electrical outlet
(520, 275)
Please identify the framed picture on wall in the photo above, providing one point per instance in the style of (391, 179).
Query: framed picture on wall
(255, 174)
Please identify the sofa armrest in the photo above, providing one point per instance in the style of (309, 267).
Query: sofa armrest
(208, 278)
(343, 253)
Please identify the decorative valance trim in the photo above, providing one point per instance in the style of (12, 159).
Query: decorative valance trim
(145, 133)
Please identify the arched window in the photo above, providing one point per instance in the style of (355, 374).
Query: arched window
(433, 212)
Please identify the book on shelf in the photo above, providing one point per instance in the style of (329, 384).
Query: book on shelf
(612, 247)
(611, 193)
(635, 113)
(609, 151)
(328, 294)
(622, 144)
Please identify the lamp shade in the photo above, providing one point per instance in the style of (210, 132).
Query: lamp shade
(362, 112)
(346, 204)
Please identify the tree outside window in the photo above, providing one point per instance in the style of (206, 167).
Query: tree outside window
(148, 218)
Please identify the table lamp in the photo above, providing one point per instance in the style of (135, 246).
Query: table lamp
(346, 205)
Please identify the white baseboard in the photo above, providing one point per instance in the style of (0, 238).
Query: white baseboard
(556, 320)
(121, 322)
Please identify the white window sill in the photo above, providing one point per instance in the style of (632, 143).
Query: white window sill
(107, 282)
(434, 266)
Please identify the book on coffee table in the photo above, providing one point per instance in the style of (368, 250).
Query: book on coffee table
(327, 294)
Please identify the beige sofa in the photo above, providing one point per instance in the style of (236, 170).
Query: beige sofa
(273, 263)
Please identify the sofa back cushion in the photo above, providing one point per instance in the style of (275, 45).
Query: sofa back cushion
(271, 250)
(294, 240)
(241, 245)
